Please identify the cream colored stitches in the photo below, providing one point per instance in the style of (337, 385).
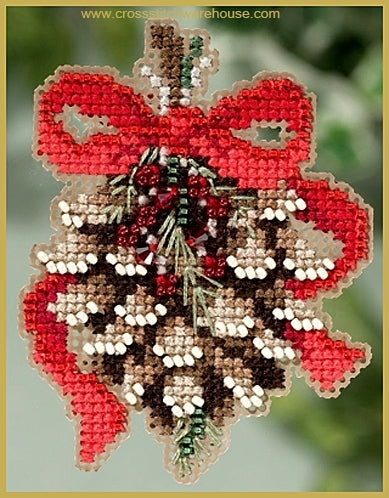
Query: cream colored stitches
(231, 326)
(232, 317)
(124, 261)
(72, 308)
(249, 396)
(305, 263)
(180, 342)
(278, 205)
(251, 261)
(157, 82)
(133, 389)
(224, 309)
(75, 255)
(123, 255)
(273, 347)
(299, 315)
(87, 209)
(177, 348)
(138, 311)
(110, 342)
(183, 395)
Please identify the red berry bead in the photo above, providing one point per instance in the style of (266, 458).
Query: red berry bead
(217, 207)
(146, 216)
(166, 285)
(214, 266)
(127, 236)
(197, 186)
(147, 176)
(122, 232)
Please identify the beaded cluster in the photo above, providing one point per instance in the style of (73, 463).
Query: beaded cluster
(186, 276)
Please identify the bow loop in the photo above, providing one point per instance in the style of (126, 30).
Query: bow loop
(276, 100)
(123, 126)
(121, 123)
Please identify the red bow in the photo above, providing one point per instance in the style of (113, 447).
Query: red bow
(185, 130)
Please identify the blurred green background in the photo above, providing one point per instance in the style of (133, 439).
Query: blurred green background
(306, 443)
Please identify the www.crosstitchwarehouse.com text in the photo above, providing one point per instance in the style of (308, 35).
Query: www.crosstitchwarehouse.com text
(177, 13)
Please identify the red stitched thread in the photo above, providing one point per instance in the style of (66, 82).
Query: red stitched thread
(103, 417)
(185, 131)
(326, 359)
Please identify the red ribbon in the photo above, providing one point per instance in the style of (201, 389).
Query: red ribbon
(102, 417)
(185, 130)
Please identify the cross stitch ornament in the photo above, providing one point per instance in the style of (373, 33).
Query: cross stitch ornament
(186, 276)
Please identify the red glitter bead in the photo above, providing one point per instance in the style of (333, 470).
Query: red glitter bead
(166, 285)
(146, 216)
(148, 176)
(127, 236)
(217, 207)
(214, 266)
(197, 186)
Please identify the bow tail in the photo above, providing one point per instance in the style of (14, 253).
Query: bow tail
(330, 358)
(328, 364)
(102, 418)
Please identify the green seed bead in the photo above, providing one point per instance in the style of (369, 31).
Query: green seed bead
(186, 71)
(186, 61)
(196, 52)
(196, 42)
(198, 430)
(186, 82)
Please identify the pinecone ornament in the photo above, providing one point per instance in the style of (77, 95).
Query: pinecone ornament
(186, 276)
